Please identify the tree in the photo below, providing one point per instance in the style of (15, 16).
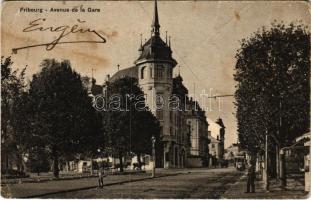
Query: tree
(38, 160)
(144, 126)
(21, 125)
(62, 118)
(128, 124)
(273, 90)
(12, 89)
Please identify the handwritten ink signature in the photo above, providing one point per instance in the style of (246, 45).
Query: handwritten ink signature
(64, 31)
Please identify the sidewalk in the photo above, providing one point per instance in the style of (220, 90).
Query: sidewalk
(293, 190)
(37, 189)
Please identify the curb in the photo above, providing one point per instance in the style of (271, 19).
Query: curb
(92, 187)
(36, 180)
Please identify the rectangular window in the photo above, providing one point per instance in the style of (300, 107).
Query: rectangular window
(159, 70)
(170, 73)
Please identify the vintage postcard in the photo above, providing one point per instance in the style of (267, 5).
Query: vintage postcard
(155, 99)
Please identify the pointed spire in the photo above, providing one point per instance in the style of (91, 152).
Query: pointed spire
(155, 23)
(166, 37)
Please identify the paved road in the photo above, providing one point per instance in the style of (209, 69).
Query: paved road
(194, 183)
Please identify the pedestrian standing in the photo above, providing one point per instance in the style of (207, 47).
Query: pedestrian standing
(250, 178)
(101, 177)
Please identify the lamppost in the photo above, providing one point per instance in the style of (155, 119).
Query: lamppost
(153, 140)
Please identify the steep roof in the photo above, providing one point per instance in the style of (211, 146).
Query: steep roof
(129, 72)
(220, 122)
(96, 89)
(156, 49)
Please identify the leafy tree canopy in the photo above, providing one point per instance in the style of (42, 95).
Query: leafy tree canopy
(273, 89)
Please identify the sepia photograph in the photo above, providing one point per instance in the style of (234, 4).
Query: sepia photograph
(155, 99)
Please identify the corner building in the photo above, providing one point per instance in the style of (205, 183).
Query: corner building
(154, 71)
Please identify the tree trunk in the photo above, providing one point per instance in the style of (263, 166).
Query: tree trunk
(91, 172)
(139, 160)
(273, 163)
(18, 162)
(121, 162)
(277, 158)
(266, 171)
(55, 165)
(283, 169)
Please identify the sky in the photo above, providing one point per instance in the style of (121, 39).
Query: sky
(205, 37)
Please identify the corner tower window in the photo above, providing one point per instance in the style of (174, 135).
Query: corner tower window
(151, 75)
(142, 72)
(159, 70)
(170, 73)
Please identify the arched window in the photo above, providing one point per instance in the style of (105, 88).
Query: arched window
(142, 72)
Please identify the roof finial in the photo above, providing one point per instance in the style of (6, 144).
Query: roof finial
(166, 37)
(93, 79)
(118, 66)
(141, 40)
(178, 70)
(155, 23)
(169, 41)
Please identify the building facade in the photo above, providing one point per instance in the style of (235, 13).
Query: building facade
(167, 98)
(199, 148)
(217, 138)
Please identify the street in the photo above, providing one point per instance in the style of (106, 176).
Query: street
(173, 183)
(194, 183)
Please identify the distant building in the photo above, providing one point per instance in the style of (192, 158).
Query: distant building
(232, 151)
(199, 149)
(214, 147)
(217, 137)
(221, 137)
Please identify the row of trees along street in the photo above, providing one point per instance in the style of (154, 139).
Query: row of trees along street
(51, 119)
(273, 90)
